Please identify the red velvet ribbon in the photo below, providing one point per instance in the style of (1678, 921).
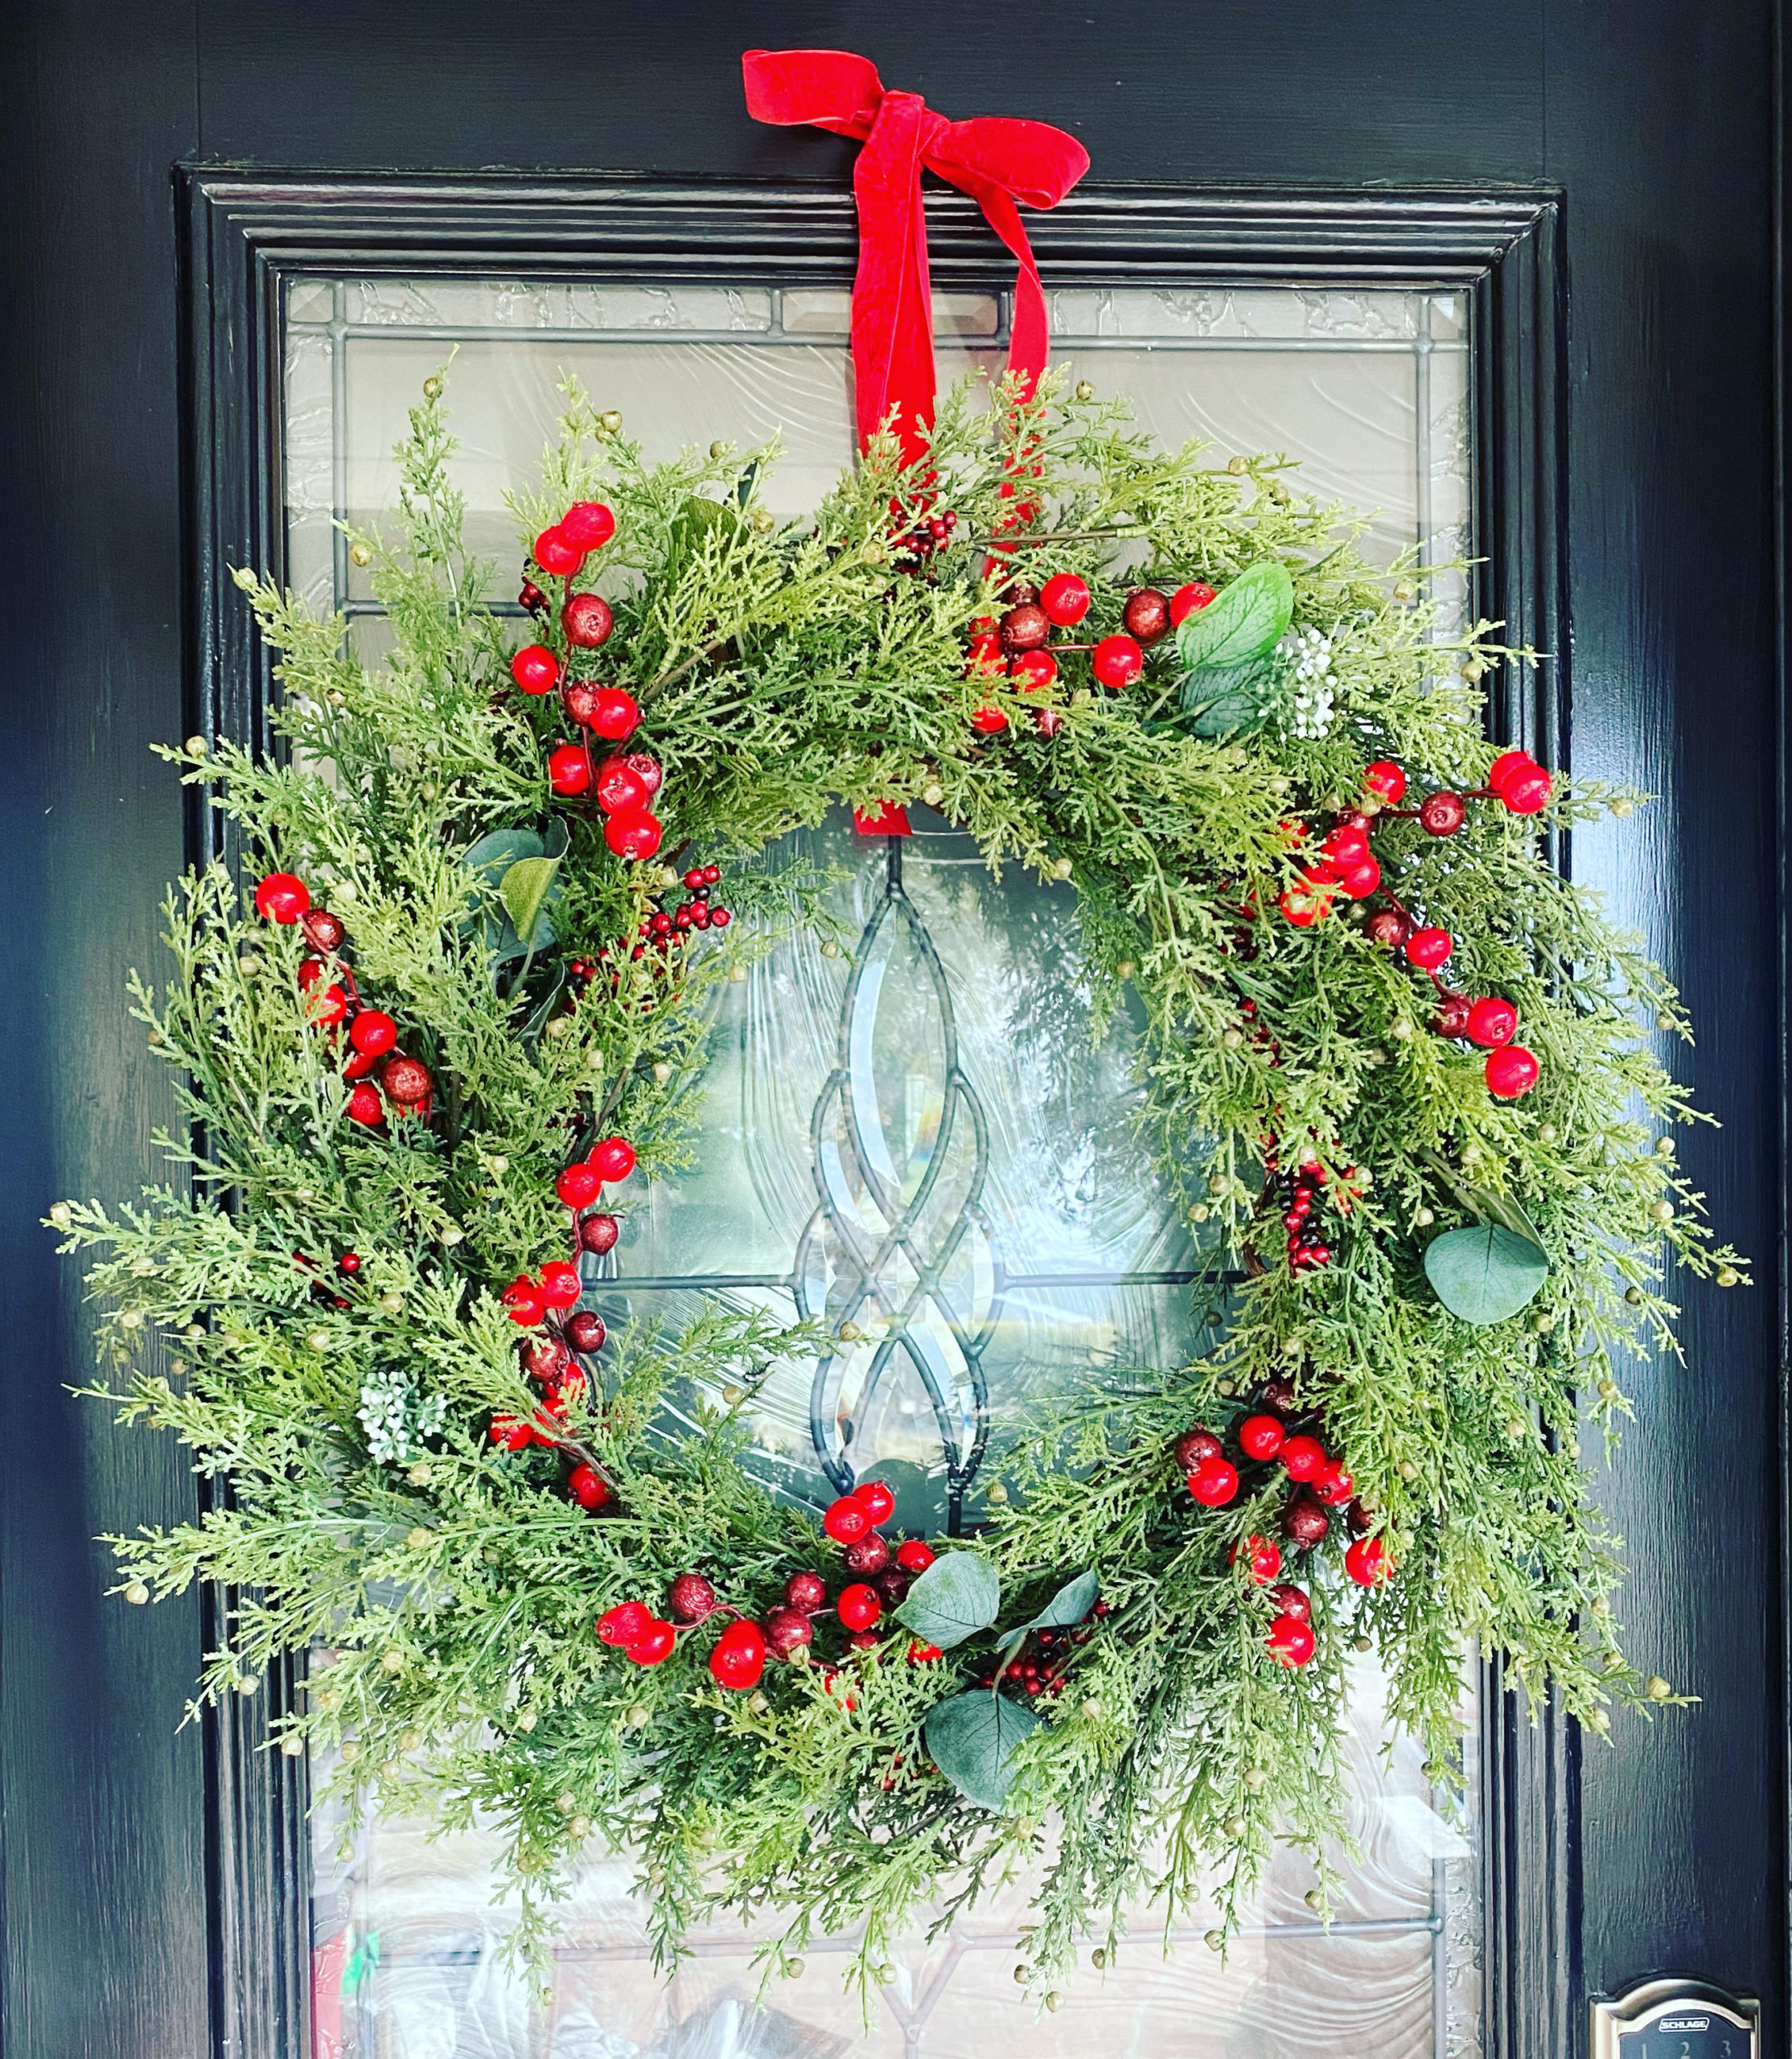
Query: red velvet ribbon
(999, 162)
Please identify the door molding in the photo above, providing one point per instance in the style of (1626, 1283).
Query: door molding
(245, 234)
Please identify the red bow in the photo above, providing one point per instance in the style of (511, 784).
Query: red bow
(995, 160)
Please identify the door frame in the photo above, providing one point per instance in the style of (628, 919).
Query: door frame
(245, 236)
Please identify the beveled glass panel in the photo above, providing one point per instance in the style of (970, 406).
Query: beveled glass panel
(916, 1136)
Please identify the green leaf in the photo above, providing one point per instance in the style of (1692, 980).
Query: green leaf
(1483, 1203)
(1070, 1603)
(956, 1597)
(1221, 700)
(1485, 1274)
(1246, 621)
(972, 1740)
(524, 889)
(494, 858)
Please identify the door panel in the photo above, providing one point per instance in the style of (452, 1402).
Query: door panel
(140, 1861)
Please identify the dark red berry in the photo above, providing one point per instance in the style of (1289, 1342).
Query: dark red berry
(1305, 1520)
(1388, 927)
(1288, 1600)
(1193, 1446)
(866, 1555)
(599, 1233)
(1025, 627)
(1146, 614)
(691, 1598)
(786, 1630)
(587, 620)
(806, 1593)
(1441, 815)
(585, 1331)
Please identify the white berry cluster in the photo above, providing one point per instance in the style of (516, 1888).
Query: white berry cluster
(1308, 654)
(395, 1419)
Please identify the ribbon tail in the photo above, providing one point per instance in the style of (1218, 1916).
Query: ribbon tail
(892, 294)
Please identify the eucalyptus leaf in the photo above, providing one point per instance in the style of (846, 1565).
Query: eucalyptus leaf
(1221, 701)
(493, 858)
(1485, 1274)
(1070, 1603)
(522, 890)
(1483, 1203)
(1246, 620)
(972, 1740)
(956, 1597)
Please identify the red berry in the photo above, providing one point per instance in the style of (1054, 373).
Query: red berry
(1512, 1071)
(867, 1554)
(1263, 1559)
(1118, 661)
(1194, 1446)
(1527, 790)
(1333, 1485)
(1346, 846)
(1427, 949)
(914, 1556)
(357, 1065)
(989, 721)
(598, 1234)
(569, 770)
(1146, 614)
(1289, 1599)
(1367, 1562)
(847, 1520)
(585, 1331)
(1441, 815)
(719, 918)
(560, 1284)
(788, 1630)
(1291, 1641)
(920, 1653)
(364, 1104)
(1310, 899)
(511, 1431)
(578, 1186)
(1185, 601)
(1386, 781)
(1491, 1021)
(1065, 599)
(633, 837)
(612, 1158)
(1260, 1437)
(555, 553)
(586, 621)
(282, 897)
(406, 1081)
(858, 1607)
(1360, 881)
(656, 1643)
(739, 1657)
(1025, 627)
(1305, 1457)
(646, 768)
(806, 1593)
(588, 1487)
(373, 1033)
(536, 669)
(624, 1623)
(691, 1598)
(984, 657)
(618, 789)
(586, 525)
(523, 1302)
(615, 713)
(880, 1503)
(1033, 669)
(325, 1007)
(1213, 1482)
(1504, 766)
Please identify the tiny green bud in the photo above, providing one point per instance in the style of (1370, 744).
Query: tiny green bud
(61, 1215)
(136, 1593)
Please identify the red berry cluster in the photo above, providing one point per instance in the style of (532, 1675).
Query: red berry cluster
(326, 1294)
(1295, 1193)
(737, 1658)
(333, 1000)
(1042, 1661)
(1347, 865)
(623, 785)
(1017, 646)
(666, 930)
(1263, 1437)
(920, 536)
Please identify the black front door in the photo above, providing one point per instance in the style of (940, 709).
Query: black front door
(1598, 181)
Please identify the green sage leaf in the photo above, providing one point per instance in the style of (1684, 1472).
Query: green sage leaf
(1247, 620)
(972, 1740)
(522, 890)
(1070, 1603)
(956, 1597)
(1485, 1274)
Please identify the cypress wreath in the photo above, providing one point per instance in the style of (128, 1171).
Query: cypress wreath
(1395, 1069)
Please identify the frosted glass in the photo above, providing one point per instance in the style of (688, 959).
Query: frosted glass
(948, 1093)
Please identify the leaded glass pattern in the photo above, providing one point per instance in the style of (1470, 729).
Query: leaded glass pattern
(913, 1134)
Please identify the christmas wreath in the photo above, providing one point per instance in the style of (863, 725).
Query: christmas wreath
(1394, 1074)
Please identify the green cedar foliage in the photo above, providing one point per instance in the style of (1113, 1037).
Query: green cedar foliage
(782, 670)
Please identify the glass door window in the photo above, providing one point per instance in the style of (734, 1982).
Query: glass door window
(912, 1133)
